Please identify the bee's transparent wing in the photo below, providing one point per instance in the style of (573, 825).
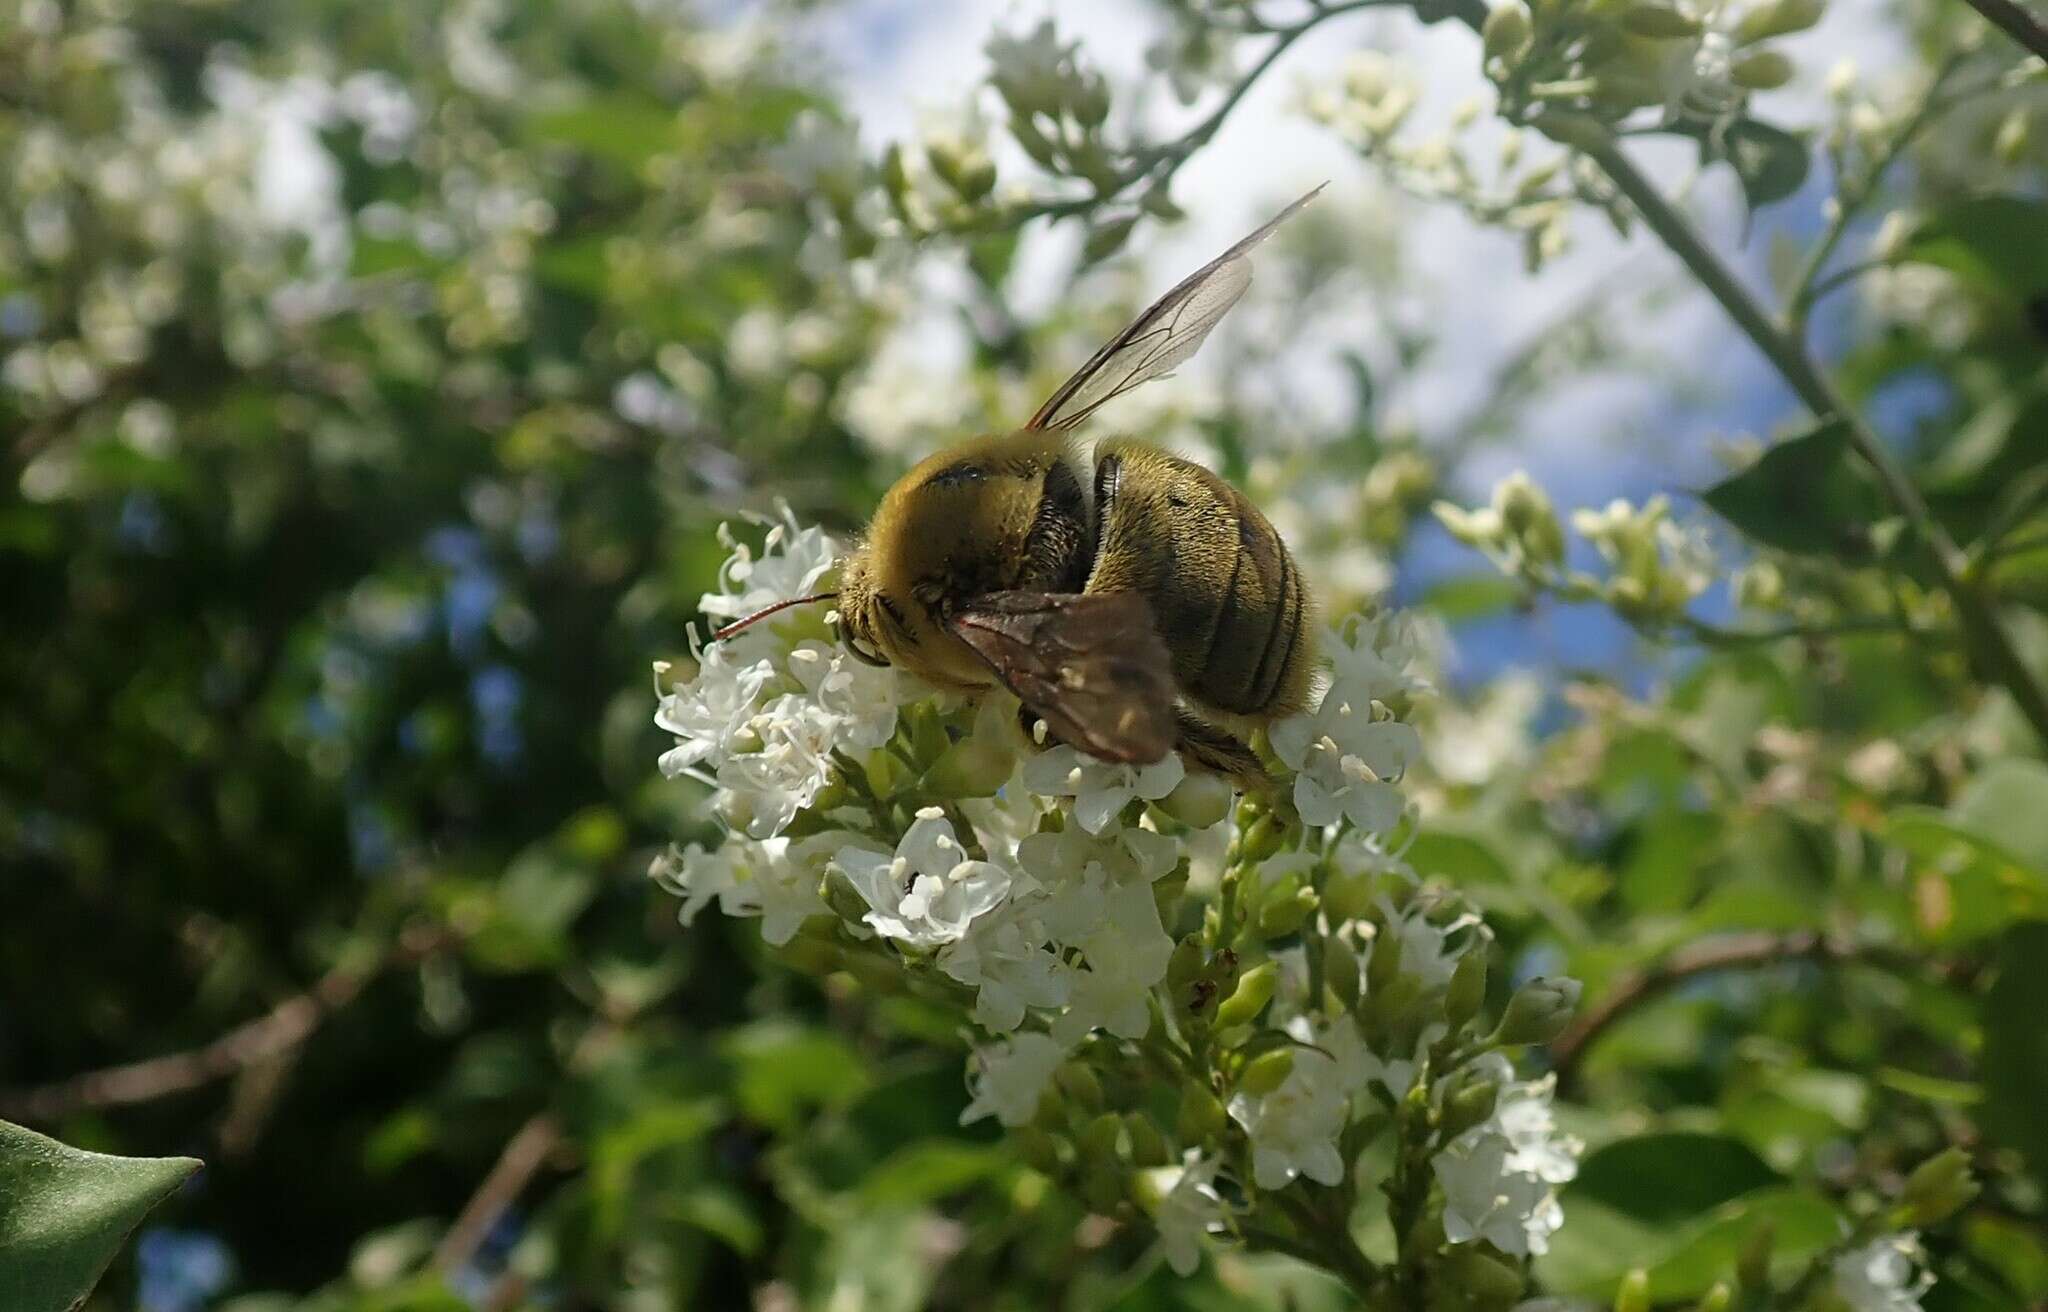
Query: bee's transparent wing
(1164, 336)
(1091, 665)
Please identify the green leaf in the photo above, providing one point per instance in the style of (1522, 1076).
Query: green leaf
(783, 1069)
(1667, 1177)
(921, 1172)
(1770, 162)
(1802, 495)
(1992, 241)
(2015, 1064)
(2006, 807)
(65, 1213)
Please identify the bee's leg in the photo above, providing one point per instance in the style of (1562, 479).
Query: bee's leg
(1207, 747)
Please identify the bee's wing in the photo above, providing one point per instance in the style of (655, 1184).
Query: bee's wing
(1091, 665)
(1163, 336)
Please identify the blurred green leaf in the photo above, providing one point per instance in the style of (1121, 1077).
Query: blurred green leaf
(1992, 241)
(2015, 1061)
(1771, 163)
(64, 1214)
(925, 1172)
(1802, 495)
(783, 1070)
(1471, 596)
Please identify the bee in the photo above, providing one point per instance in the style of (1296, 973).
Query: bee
(1135, 603)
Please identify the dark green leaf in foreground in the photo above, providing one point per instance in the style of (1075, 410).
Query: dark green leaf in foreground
(65, 1213)
(1802, 495)
(1994, 242)
(2016, 1044)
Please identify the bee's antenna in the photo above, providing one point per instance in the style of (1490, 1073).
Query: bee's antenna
(763, 614)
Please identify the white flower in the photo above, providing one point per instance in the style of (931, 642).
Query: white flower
(862, 698)
(775, 880)
(1003, 957)
(1427, 950)
(706, 713)
(1375, 656)
(1189, 1208)
(929, 892)
(696, 876)
(1127, 951)
(1126, 852)
(792, 561)
(821, 154)
(1347, 760)
(1032, 72)
(1884, 1275)
(762, 791)
(1500, 1178)
(1007, 1077)
(1294, 1129)
(1100, 789)
(1473, 746)
(1339, 1037)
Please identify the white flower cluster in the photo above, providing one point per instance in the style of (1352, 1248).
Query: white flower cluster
(1042, 882)
(1888, 1274)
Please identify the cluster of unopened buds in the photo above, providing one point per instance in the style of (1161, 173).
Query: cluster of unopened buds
(1655, 567)
(1197, 1009)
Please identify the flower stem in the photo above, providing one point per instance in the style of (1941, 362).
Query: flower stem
(1992, 649)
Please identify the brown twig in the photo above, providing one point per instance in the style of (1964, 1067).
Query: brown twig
(270, 1036)
(524, 1154)
(1723, 952)
(2015, 22)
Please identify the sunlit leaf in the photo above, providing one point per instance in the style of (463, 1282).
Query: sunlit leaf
(64, 1214)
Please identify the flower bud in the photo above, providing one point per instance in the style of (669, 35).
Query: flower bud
(1280, 917)
(1383, 966)
(1080, 1086)
(1761, 70)
(1777, 18)
(1634, 1293)
(1658, 22)
(1185, 965)
(1466, 993)
(1718, 1298)
(1539, 1011)
(1341, 971)
(1202, 1117)
(1148, 1146)
(1091, 101)
(1568, 128)
(1484, 1280)
(1261, 840)
(1753, 1262)
(1107, 238)
(972, 767)
(1199, 800)
(840, 894)
(1507, 33)
(1939, 1187)
(1102, 1187)
(1474, 528)
(1250, 997)
(1470, 1103)
(1101, 1140)
(1266, 1072)
(1042, 1151)
(2011, 141)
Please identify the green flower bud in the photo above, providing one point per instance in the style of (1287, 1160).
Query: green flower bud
(1200, 800)
(1753, 1262)
(1777, 18)
(1042, 1151)
(1761, 70)
(1267, 1072)
(895, 172)
(1033, 141)
(1261, 840)
(1507, 34)
(2011, 141)
(1658, 22)
(1250, 997)
(1347, 895)
(1634, 1293)
(1185, 965)
(1485, 1281)
(1202, 1117)
(1148, 1146)
(1718, 1298)
(1469, 1104)
(1383, 967)
(1280, 917)
(1091, 101)
(1466, 993)
(840, 894)
(1080, 1086)
(972, 767)
(1101, 1140)
(1939, 1187)
(1539, 1011)
(1341, 971)
(1567, 128)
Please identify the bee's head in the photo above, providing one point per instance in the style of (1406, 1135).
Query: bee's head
(858, 610)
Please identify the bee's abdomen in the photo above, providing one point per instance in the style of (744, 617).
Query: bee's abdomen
(1226, 593)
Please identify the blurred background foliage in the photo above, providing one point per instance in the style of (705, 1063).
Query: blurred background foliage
(373, 382)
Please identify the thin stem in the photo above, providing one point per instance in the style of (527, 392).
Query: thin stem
(1986, 640)
(1714, 635)
(2015, 22)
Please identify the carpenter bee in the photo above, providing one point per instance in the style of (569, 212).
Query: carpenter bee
(1134, 602)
